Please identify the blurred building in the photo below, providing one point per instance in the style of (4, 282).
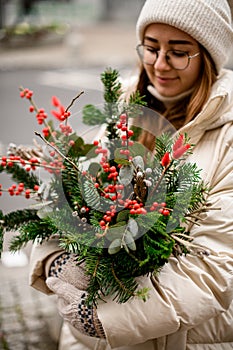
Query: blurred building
(127, 10)
(13, 11)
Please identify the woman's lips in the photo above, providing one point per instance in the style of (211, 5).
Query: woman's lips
(165, 80)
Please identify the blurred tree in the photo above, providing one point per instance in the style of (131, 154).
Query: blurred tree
(107, 9)
(27, 7)
(2, 13)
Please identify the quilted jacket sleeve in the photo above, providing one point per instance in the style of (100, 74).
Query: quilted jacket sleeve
(39, 255)
(189, 290)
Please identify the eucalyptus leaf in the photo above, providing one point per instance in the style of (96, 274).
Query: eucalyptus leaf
(138, 162)
(115, 246)
(92, 115)
(133, 227)
(129, 241)
(94, 168)
(125, 247)
(138, 150)
(123, 215)
(119, 156)
(126, 174)
(116, 231)
(122, 161)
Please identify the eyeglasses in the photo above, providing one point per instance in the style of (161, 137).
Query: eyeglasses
(176, 59)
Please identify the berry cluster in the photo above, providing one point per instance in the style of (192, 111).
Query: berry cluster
(15, 190)
(61, 113)
(41, 116)
(161, 208)
(65, 129)
(54, 166)
(30, 164)
(26, 93)
(135, 207)
(107, 218)
(126, 134)
(114, 190)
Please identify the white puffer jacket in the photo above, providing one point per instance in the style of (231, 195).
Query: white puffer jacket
(191, 302)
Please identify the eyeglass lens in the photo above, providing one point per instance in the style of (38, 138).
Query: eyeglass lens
(175, 58)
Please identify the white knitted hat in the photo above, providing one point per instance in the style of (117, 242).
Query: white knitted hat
(207, 21)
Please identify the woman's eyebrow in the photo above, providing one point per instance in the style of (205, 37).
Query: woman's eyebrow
(170, 42)
(182, 42)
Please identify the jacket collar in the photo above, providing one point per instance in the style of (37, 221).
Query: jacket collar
(217, 111)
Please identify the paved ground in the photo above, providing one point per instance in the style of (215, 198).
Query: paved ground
(28, 319)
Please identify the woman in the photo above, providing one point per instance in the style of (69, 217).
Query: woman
(183, 46)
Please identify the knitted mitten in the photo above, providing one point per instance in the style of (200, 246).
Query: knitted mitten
(65, 267)
(74, 309)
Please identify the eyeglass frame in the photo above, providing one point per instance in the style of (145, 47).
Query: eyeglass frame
(165, 54)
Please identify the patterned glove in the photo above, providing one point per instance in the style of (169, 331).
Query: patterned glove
(66, 268)
(73, 308)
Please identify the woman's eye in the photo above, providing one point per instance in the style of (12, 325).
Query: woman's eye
(178, 53)
(151, 49)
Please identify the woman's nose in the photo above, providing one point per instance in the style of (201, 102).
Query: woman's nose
(161, 61)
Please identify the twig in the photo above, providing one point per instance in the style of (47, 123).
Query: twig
(190, 245)
(59, 152)
(73, 101)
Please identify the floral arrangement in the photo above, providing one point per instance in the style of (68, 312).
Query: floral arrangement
(122, 209)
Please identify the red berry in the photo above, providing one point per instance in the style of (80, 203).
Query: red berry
(130, 133)
(166, 212)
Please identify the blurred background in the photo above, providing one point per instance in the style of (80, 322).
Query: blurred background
(53, 47)
(71, 24)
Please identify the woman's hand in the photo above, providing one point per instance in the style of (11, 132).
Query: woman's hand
(74, 309)
(67, 268)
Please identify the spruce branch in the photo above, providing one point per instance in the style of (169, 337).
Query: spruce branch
(21, 175)
(13, 220)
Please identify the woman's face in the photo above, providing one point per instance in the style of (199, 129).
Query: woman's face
(167, 80)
